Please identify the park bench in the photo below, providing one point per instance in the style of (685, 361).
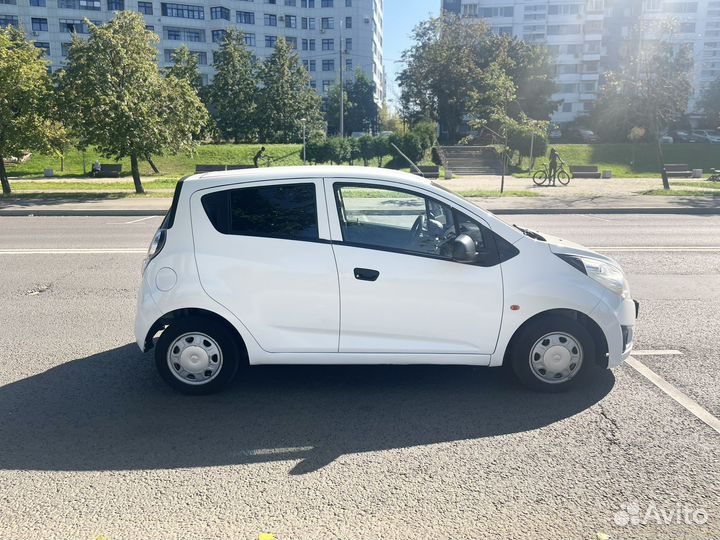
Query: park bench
(585, 171)
(678, 170)
(429, 171)
(209, 168)
(110, 170)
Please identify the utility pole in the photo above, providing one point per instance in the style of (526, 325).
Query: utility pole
(342, 85)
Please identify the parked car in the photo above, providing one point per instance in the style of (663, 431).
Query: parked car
(555, 134)
(705, 135)
(583, 135)
(346, 265)
(683, 136)
(666, 139)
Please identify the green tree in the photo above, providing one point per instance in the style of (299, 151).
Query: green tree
(332, 109)
(442, 68)
(650, 91)
(116, 99)
(185, 67)
(233, 93)
(710, 104)
(287, 101)
(25, 90)
(364, 112)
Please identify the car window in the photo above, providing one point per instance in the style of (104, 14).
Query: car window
(395, 219)
(286, 211)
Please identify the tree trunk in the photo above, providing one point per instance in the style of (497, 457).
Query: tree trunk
(62, 162)
(152, 165)
(4, 178)
(136, 174)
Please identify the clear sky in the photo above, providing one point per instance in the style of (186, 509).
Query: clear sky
(400, 17)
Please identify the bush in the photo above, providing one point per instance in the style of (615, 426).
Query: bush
(381, 148)
(340, 150)
(319, 150)
(520, 140)
(412, 144)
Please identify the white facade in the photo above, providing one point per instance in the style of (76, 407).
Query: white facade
(325, 32)
(586, 37)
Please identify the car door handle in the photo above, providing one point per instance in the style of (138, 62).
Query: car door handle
(366, 274)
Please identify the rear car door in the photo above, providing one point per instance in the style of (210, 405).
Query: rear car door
(263, 251)
(401, 291)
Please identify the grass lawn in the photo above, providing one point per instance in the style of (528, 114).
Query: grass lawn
(681, 193)
(628, 160)
(173, 167)
(706, 185)
(80, 196)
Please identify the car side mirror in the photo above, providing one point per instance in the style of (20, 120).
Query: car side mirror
(464, 249)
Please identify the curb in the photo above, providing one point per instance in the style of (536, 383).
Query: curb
(91, 212)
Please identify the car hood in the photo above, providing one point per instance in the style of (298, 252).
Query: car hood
(566, 247)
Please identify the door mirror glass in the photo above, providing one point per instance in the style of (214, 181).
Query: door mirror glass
(464, 249)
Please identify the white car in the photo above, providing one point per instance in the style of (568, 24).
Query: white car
(352, 265)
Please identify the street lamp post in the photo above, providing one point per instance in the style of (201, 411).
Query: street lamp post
(342, 85)
(304, 122)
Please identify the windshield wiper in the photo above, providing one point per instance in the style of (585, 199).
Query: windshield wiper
(529, 233)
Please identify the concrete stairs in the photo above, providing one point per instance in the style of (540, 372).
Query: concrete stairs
(470, 160)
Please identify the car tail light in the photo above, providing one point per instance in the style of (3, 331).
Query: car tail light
(158, 242)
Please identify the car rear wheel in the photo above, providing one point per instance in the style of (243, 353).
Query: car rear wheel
(552, 354)
(197, 356)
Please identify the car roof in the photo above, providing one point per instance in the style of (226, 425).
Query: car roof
(219, 178)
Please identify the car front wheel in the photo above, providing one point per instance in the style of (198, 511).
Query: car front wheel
(552, 354)
(196, 356)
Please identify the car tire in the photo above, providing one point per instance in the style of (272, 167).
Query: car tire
(552, 354)
(197, 356)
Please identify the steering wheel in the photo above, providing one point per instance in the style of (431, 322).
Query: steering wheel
(417, 228)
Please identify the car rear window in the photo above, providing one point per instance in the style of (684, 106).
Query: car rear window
(286, 211)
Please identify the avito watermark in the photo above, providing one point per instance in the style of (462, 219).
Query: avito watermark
(632, 514)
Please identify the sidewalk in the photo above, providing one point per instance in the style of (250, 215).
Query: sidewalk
(582, 204)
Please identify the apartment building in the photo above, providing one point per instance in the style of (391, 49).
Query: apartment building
(329, 35)
(589, 37)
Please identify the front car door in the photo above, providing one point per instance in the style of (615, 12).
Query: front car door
(400, 289)
(263, 251)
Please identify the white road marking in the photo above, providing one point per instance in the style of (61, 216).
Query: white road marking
(688, 403)
(139, 220)
(71, 251)
(660, 352)
(669, 249)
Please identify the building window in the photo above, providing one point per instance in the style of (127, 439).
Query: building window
(327, 23)
(146, 8)
(65, 48)
(218, 36)
(37, 3)
(270, 41)
(39, 25)
(184, 34)
(348, 44)
(328, 44)
(116, 5)
(270, 19)
(564, 9)
(9, 20)
(75, 26)
(249, 39)
(184, 11)
(326, 86)
(348, 22)
(348, 3)
(245, 17)
(200, 55)
(44, 45)
(292, 41)
(307, 3)
(91, 5)
(326, 3)
(348, 64)
(290, 21)
(308, 23)
(150, 27)
(489, 12)
(220, 13)
(328, 65)
(310, 65)
(291, 3)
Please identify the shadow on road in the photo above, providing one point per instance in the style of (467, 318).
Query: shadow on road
(110, 411)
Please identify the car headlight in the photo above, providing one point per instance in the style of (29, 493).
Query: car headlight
(606, 274)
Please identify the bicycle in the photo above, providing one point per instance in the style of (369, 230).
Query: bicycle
(714, 175)
(543, 175)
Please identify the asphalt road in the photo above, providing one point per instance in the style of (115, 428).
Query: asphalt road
(92, 443)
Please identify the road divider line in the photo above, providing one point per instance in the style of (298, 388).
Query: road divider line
(687, 402)
(138, 220)
(662, 352)
(71, 251)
